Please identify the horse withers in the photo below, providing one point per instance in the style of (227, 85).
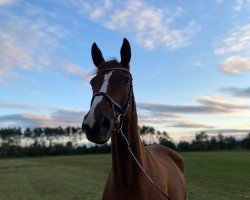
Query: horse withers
(138, 172)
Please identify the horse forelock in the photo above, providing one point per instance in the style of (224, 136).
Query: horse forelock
(109, 64)
(113, 63)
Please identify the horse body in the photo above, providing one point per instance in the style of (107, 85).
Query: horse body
(162, 164)
(113, 103)
(172, 167)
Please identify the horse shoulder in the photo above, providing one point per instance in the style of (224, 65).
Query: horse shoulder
(160, 150)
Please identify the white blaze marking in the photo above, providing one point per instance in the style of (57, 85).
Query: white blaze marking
(91, 119)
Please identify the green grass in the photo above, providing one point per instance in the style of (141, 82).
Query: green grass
(218, 175)
(209, 175)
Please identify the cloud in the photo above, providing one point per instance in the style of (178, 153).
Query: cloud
(218, 1)
(238, 133)
(25, 107)
(4, 2)
(239, 5)
(32, 116)
(235, 65)
(96, 10)
(12, 55)
(16, 105)
(207, 105)
(27, 44)
(23, 120)
(229, 131)
(188, 124)
(172, 108)
(74, 71)
(238, 92)
(222, 105)
(133, 18)
(60, 117)
(154, 117)
(68, 117)
(235, 45)
(30, 42)
(237, 41)
(167, 120)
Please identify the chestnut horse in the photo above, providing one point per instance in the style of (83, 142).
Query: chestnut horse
(138, 172)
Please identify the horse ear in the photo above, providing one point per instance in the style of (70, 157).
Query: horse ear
(125, 53)
(96, 55)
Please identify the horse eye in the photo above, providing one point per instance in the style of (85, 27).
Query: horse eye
(126, 80)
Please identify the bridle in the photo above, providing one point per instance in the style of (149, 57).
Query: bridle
(122, 110)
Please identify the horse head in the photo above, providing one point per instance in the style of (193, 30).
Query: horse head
(112, 90)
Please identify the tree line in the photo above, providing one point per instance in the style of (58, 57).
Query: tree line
(41, 141)
(202, 141)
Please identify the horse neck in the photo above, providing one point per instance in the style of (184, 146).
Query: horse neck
(123, 165)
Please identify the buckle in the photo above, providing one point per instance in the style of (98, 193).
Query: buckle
(118, 119)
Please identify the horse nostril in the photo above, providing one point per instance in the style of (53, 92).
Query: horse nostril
(85, 128)
(105, 125)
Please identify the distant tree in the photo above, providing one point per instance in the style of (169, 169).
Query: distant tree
(27, 133)
(36, 141)
(213, 143)
(166, 142)
(165, 139)
(11, 136)
(221, 142)
(165, 135)
(201, 137)
(38, 132)
(69, 146)
(246, 142)
(184, 146)
(201, 142)
(230, 142)
(146, 130)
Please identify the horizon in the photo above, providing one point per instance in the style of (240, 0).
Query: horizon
(190, 64)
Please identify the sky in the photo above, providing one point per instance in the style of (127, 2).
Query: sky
(190, 62)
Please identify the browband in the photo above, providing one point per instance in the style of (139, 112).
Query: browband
(117, 68)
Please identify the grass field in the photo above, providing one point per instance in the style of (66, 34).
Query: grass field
(209, 175)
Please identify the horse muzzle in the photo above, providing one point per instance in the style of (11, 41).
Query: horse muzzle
(100, 132)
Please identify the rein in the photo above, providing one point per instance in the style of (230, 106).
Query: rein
(122, 110)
